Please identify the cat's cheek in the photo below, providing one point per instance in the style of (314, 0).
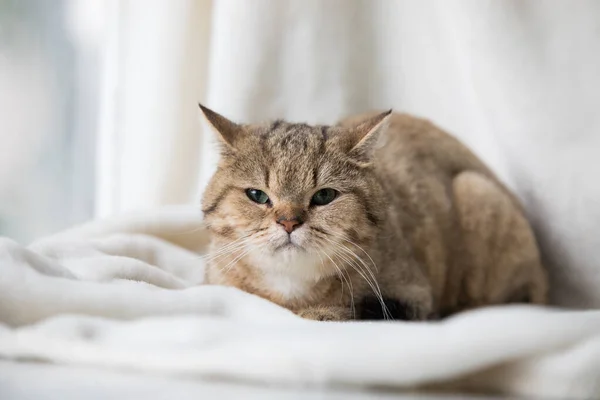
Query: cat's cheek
(242, 212)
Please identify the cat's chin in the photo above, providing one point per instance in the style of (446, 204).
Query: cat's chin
(289, 251)
(292, 261)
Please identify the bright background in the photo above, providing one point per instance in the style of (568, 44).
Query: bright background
(50, 66)
(98, 98)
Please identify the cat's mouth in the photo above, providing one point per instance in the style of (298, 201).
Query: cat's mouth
(289, 245)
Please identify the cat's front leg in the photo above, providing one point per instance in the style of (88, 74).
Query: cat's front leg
(402, 303)
(416, 302)
(326, 313)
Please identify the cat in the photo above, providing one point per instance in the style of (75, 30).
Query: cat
(382, 216)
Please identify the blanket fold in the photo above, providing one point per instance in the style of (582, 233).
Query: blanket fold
(126, 293)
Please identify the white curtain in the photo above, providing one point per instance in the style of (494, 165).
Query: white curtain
(149, 142)
(517, 80)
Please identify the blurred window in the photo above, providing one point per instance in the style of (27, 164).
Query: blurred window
(50, 59)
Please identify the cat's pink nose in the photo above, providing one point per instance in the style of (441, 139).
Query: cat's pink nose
(289, 224)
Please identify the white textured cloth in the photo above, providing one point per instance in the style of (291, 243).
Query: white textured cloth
(125, 294)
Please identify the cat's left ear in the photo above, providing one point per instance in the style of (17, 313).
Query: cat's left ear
(227, 131)
(364, 137)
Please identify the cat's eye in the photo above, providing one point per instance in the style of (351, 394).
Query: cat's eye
(257, 196)
(323, 197)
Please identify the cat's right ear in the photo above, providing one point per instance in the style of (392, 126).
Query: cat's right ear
(228, 132)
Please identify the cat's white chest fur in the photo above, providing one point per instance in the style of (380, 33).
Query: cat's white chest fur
(292, 277)
(289, 287)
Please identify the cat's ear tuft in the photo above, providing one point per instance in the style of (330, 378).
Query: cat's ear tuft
(364, 137)
(227, 131)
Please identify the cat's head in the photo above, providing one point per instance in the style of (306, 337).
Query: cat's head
(287, 193)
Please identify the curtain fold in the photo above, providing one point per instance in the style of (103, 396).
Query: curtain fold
(149, 141)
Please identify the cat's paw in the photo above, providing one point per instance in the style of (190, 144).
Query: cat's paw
(399, 309)
(325, 313)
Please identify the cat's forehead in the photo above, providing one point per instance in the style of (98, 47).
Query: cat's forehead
(289, 158)
(284, 137)
(296, 153)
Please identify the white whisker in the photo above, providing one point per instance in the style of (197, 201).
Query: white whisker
(231, 264)
(190, 231)
(357, 257)
(348, 256)
(226, 249)
(360, 248)
(348, 282)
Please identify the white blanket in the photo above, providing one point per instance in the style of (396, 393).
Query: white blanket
(125, 294)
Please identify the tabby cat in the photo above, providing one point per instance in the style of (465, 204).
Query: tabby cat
(383, 216)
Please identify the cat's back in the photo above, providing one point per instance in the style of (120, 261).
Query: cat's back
(417, 164)
(413, 146)
(464, 227)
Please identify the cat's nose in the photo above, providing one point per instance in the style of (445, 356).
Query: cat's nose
(289, 224)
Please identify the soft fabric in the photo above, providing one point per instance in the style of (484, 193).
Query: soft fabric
(126, 294)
